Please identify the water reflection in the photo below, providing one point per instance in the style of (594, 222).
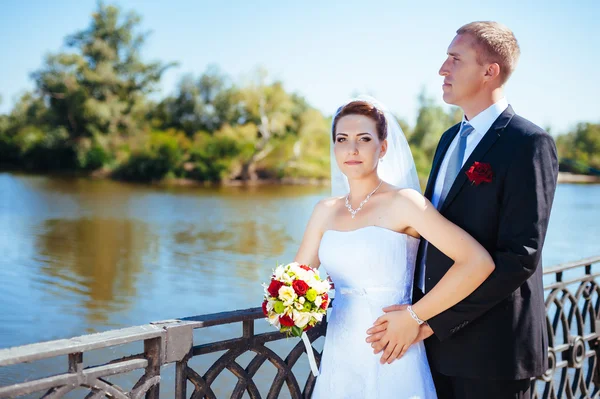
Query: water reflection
(99, 260)
(247, 237)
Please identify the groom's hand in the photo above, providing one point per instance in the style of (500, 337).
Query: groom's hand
(424, 333)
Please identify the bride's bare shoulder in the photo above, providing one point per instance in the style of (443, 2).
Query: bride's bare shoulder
(324, 211)
(328, 204)
(410, 197)
(332, 201)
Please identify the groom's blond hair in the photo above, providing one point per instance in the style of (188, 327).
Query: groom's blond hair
(495, 43)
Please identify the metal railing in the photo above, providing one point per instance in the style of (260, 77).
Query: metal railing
(572, 313)
(573, 320)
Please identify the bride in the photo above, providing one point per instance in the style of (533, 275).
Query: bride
(367, 238)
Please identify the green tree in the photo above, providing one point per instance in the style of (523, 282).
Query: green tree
(303, 153)
(432, 122)
(205, 104)
(270, 109)
(100, 87)
(28, 140)
(579, 150)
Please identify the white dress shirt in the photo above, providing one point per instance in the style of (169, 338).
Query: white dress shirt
(481, 123)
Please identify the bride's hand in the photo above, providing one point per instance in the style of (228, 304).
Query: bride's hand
(375, 333)
(401, 331)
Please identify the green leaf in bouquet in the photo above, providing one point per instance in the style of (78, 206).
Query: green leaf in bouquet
(297, 331)
(286, 330)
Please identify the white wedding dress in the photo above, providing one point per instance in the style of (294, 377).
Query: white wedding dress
(371, 267)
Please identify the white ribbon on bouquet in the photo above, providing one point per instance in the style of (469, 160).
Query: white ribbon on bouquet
(310, 354)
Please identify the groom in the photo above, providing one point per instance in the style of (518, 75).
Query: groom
(494, 175)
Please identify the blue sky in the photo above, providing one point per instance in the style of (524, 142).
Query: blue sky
(328, 50)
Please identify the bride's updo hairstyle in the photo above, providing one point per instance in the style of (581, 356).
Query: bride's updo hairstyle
(366, 109)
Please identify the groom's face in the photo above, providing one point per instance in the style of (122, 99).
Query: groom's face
(462, 72)
(357, 146)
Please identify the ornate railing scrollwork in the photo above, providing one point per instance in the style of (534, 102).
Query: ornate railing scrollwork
(572, 318)
(234, 348)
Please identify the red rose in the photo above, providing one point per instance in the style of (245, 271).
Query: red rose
(286, 321)
(274, 287)
(264, 308)
(325, 302)
(300, 287)
(307, 327)
(480, 172)
(307, 268)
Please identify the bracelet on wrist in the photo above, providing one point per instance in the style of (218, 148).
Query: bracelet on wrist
(414, 315)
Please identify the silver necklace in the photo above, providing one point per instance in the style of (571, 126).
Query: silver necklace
(355, 211)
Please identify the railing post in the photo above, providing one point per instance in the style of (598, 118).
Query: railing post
(152, 351)
(248, 328)
(75, 362)
(181, 379)
(178, 348)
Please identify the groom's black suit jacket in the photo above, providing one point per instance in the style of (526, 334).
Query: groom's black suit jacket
(499, 331)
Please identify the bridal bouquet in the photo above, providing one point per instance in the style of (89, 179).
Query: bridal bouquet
(296, 299)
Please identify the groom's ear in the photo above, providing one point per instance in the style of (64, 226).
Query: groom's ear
(493, 71)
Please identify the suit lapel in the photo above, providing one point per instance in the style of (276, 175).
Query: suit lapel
(437, 161)
(488, 140)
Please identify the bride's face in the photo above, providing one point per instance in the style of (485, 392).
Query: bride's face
(357, 146)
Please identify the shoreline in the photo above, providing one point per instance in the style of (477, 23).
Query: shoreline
(566, 177)
(563, 178)
(286, 181)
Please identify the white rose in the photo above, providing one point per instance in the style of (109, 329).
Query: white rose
(300, 319)
(299, 273)
(308, 275)
(318, 301)
(294, 267)
(286, 278)
(274, 320)
(287, 295)
(321, 287)
(270, 305)
(301, 300)
(318, 316)
(279, 271)
(312, 281)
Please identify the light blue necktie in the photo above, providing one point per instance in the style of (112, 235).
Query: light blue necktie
(455, 164)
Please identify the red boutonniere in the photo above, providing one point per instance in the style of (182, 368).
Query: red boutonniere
(480, 172)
